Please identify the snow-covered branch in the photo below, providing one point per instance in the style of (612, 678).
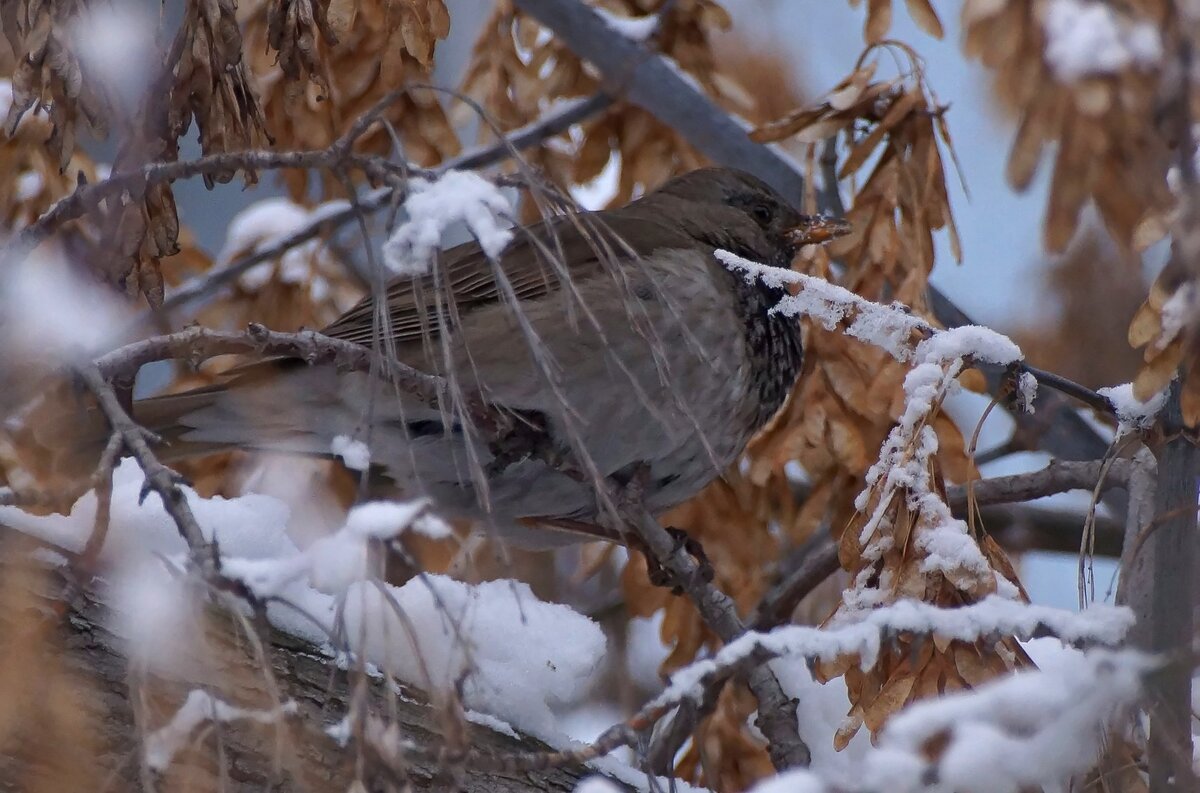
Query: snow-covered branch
(1031, 730)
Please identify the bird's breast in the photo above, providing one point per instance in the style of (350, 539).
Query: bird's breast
(773, 344)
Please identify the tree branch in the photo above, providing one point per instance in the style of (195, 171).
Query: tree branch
(196, 344)
(1057, 477)
(652, 82)
(776, 711)
(88, 197)
(326, 223)
(161, 479)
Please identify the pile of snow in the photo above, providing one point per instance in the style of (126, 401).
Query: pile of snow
(432, 207)
(1087, 38)
(265, 224)
(518, 657)
(1132, 413)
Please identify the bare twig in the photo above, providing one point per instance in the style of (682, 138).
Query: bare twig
(159, 478)
(196, 344)
(808, 566)
(102, 482)
(87, 197)
(776, 711)
(1057, 477)
(1063, 385)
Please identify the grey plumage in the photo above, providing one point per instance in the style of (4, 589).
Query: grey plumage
(619, 328)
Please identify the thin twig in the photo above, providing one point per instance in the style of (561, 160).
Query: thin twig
(1058, 476)
(102, 483)
(323, 223)
(776, 711)
(1063, 385)
(196, 344)
(159, 478)
(87, 197)
(807, 568)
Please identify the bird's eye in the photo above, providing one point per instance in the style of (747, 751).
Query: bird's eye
(762, 213)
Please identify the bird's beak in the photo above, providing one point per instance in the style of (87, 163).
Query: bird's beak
(817, 229)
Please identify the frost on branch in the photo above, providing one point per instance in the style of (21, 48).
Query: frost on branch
(432, 207)
(903, 541)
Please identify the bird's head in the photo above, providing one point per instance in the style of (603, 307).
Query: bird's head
(730, 203)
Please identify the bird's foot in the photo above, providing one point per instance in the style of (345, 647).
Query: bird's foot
(661, 576)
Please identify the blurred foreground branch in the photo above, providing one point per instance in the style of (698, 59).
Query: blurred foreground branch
(240, 755)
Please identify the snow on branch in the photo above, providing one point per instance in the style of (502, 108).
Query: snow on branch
(865, 634)
(434, 206)
(1030, 731)
(1132, 413)
(903, 479)
(893, 328)
(200, 707)
(517, 657)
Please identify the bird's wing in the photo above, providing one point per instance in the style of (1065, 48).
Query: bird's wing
(536, 263)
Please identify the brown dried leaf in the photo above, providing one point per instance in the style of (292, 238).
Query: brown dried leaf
(1146, 325)
(893, 697)
(1158, 372)
(879, 20)
(923, 14)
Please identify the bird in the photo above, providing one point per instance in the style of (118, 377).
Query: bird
(617, 334)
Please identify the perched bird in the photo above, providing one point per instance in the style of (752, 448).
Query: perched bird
(618, 333)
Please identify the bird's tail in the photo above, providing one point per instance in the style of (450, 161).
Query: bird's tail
(162, 416)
